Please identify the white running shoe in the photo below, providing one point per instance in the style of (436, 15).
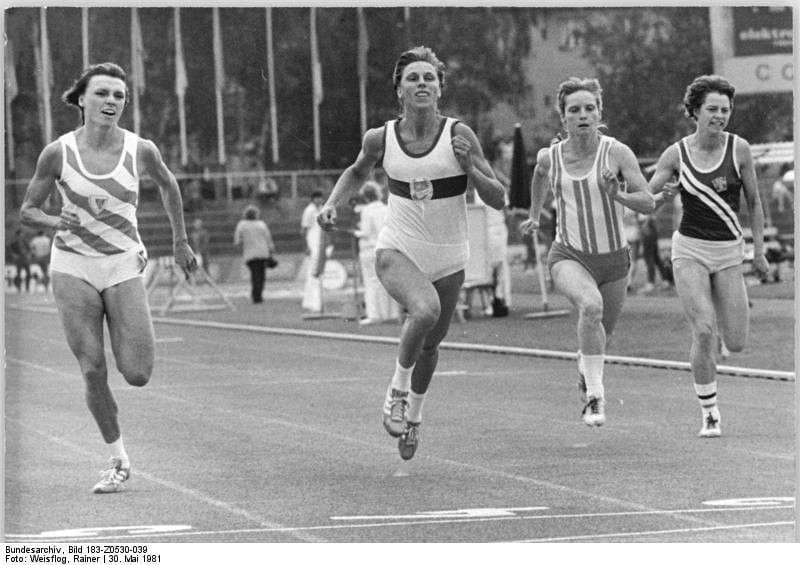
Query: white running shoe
(711, 420)
(395, 408)
(594, 413)
(112, 478)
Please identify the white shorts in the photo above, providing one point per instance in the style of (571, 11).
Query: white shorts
(435, 260)
(100, 272)
(713, 255)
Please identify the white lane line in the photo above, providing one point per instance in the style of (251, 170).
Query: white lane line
(658, 532)
(483, 348)
(188, 492)
(745, 372)
(428, 520)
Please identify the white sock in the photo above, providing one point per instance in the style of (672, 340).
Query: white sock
(415, 402)
(593, 373)
(706, 395)
(402, 377)
(117, 449)
(581, 370)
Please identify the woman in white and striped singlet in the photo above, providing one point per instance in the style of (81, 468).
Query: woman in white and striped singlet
(714, 169)
(98, 258)
(422, 250)
(593, 177)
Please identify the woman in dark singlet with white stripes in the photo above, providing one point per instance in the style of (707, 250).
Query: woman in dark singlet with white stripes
(714, 169)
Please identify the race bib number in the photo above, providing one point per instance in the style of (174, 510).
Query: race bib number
(421, 189)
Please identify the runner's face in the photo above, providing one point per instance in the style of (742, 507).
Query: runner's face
(103, 100)
(581, 113)
(715, 112)
(419, 85)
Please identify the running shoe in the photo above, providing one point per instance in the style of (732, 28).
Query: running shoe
(112, 478)
(711, 421)
(594, 413)
(394, 411)
(408, 442)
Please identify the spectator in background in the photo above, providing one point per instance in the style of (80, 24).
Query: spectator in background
(497, 232)
(200, 239)
(20, 255)
(379, 306)
(651, 254)
(630, 219)
(781, 193)
(253, 235)
(314, 237)
(40, 254)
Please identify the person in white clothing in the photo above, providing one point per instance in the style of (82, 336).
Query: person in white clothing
(40, 255)
(429, 160)
(313, 236)
(98, 259)
(589, 259)
(498, 256)
(378, 305)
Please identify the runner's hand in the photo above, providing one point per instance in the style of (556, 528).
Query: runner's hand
(184, 257)
(327, 218)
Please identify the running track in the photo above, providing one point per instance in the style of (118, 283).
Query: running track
(247, 437)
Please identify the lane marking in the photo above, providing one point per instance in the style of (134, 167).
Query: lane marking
(446, 521)
(746, 372)
(460, 513)
(659, 532)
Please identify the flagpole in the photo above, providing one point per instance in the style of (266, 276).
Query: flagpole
(363, 48)
(273, 108)
(181, 82)
(219, 77)
(85, 36)
(45, 77)
(316, 79)
(12, 89)
(135, 69)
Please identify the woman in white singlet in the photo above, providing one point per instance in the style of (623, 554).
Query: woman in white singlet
(422, 250)
(98, 259)
(593, 177)
(714, 169)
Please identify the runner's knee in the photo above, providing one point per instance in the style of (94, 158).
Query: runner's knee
(426, 313)
(136, 375)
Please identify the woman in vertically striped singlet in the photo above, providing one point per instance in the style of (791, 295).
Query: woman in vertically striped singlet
(593, 176)
(98, 258)
(714, 169)
(423, 248)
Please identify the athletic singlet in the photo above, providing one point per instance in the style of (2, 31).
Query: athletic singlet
(587, 219)
(106, 204)
(427, 191)
(711, 197)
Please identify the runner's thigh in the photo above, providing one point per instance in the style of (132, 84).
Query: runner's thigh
(81, 310)
(130, 327)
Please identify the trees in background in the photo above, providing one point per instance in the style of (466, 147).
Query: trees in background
(645, 57)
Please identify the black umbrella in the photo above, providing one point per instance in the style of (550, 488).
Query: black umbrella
(520, 190)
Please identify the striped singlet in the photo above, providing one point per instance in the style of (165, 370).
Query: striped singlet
(587, 219)
(427, 201)
(711, 197)
(106, 204)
